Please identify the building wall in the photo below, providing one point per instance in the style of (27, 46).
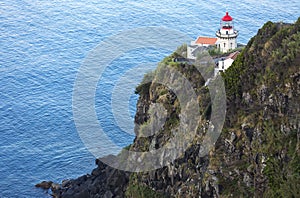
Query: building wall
(226, 44)
(224, 64)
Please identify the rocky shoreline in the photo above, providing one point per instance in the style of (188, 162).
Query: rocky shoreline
(103, 182)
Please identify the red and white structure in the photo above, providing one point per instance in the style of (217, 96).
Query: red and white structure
(227, 34)
(226, 39)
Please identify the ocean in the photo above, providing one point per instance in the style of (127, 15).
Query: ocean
(43, 44)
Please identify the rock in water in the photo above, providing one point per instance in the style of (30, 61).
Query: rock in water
(44, 185)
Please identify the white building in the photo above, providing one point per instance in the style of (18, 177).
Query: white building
(225, 62)
(227, 34)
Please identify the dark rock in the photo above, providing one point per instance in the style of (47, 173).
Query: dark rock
(81, 194)
(108, 194)
(96, 172)
(44, 185)
(66, 183)
(55, 187)
(104, 181)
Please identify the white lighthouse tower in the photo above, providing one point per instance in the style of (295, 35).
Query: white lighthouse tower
(226, 34)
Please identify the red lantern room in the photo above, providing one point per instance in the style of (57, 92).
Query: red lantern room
(227, 22)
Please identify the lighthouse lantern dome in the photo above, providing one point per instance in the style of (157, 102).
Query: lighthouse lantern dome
(227, 17)
(227, 22)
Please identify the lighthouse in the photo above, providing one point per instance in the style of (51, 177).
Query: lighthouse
(226, 34)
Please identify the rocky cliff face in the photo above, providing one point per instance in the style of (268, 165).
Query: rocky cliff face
(258, 151)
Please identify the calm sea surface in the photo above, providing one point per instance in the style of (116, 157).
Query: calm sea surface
(42, 46)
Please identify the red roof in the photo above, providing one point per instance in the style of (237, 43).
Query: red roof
(233, 55)
(206, 40)
(227, 17)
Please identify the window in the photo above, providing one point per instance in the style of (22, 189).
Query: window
(231, 45)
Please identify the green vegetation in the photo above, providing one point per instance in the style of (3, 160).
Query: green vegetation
(283, 162)
(215, 52)
(181, 51)
(141, 191)
(144, 86)
(232, 77)
(136, 190)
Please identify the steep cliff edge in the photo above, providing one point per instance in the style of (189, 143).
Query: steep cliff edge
(258, 151)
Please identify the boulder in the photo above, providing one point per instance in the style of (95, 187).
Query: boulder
(44, 185)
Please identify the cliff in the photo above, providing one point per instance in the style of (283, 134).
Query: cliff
(258, 151)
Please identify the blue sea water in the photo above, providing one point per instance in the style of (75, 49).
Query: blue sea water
(42, 46)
